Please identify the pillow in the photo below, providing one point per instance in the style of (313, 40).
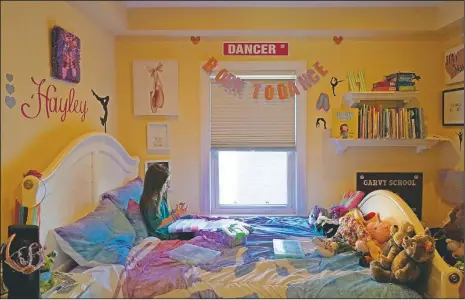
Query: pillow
(121, 195)
(104, 236)
(134, 216)
(352, 199)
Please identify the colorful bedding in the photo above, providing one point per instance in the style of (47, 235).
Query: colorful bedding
(250, 271)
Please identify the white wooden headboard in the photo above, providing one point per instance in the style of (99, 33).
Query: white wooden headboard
(72, 184)
(443, 280)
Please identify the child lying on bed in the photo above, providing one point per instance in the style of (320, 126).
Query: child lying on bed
(155, 208)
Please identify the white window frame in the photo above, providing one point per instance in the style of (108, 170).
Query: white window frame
(300, 201)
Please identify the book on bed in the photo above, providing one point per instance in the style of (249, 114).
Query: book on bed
(288, 249)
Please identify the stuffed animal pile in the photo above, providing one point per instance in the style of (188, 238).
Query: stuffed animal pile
(406, 255)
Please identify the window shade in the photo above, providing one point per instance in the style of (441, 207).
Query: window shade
(251, 123)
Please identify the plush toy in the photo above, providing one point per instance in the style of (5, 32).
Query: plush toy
(338, 211)
(456, 248)
(352, 199)
(453, 227)
(380, 233)
(405, 267)
(329, 247)
(326, 226)
(46, 278)
(315, 213)
(394, 245)
(352, 229)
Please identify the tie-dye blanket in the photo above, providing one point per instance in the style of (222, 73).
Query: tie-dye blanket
(251, 271)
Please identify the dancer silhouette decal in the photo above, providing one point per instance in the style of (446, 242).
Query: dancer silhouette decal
(334, 82)
(460, 135)
(104, 101)
(157, 97)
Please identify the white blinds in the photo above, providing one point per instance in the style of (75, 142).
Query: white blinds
(251, 123)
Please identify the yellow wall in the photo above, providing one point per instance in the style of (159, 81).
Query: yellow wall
(32, 144)
(328, 174)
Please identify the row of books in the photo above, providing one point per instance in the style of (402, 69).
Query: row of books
(402, 82)
(374, 122)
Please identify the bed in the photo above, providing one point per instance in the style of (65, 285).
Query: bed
(72, 185)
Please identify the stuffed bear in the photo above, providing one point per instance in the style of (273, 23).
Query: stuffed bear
(456, 248)
(405, 267)
(394, 245)
(453, 227)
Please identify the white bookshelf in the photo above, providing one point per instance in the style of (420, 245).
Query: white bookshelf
(353, 99)
(419, 144)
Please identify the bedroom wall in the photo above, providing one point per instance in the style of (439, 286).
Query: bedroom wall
(33, 143)
(328, 174)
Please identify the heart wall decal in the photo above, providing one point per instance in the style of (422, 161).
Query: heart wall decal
(10, 102)
(9, 77)
(195, 39)
(10, 88)
(338, 40)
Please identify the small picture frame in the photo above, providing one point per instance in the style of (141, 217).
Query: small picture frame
(166, 163)
(452, 107)
(158, 137)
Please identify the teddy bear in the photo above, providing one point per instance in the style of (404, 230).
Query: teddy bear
(456, 248)
(406, 266)
(394, 245)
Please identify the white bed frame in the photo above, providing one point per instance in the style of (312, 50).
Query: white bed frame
(96, 162)
(90, 165)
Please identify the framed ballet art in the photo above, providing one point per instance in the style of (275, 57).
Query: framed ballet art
(158, 137)
(155, 86)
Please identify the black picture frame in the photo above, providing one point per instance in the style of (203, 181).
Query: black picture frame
(444, 121)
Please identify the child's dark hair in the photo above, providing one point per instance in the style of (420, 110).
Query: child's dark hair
(155, 177)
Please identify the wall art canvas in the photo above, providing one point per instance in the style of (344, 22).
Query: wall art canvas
(158, 137)
(452, 107)
(155, 86)
(453, 63)
(66, 55)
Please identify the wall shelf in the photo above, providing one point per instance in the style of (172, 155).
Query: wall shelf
(352, 99)
(420, 144)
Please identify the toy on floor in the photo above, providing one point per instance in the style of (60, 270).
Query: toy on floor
(406, 266)
(326, 226)
(46, 278)
(394, 245)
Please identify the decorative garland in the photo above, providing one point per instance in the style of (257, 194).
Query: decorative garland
(235, 85)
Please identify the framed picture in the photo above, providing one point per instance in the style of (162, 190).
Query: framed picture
(158, 137)
(452, 107)
(66, 55)
(166, 163)
(155, 88)
(453, 65)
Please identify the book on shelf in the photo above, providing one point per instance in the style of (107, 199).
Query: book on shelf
(375, 122)
(345, 123)
(402, 77)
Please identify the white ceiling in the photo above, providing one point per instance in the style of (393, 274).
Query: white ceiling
(236, 3)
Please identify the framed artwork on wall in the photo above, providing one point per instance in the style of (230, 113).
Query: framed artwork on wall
(66, 55)
(158, 137)
(452, 107)
(453, 64)
(155, 88)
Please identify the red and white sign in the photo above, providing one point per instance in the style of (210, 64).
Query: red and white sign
(255, 49)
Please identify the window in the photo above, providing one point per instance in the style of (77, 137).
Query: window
(252, 156)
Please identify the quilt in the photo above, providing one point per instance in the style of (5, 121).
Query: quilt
(251, 271)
